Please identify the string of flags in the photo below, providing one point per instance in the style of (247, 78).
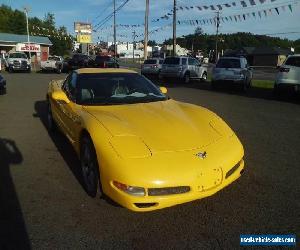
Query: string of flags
(239, 17)
(214, 7)
(41, 31)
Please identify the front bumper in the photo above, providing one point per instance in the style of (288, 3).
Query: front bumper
(204, 177)
(149, 71)
(287, 87)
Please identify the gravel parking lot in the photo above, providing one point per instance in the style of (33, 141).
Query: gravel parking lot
(43, 204)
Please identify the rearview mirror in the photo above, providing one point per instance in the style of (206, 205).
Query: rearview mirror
(163, 90)
(60, 96)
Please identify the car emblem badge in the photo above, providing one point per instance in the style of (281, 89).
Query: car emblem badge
(202, 155)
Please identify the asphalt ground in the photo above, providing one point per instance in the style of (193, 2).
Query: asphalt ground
(44, 206)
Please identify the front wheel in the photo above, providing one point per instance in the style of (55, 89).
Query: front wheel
(89, 167)
(204, 77)
(58, 70)
(50, 121)
(10, 70)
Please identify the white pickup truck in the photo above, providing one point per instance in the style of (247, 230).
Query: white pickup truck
(17, 61)
(54, 63)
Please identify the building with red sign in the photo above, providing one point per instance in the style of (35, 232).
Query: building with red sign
(38, 47)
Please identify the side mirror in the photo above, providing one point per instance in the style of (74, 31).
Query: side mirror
(60, 97)
(163, 90)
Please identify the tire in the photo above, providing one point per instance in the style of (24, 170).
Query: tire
(51, 125)
(204, 77)
(244, 87)
(89, 167)
(29, 70)
(10, 70)
(58, 70)
(186, 78)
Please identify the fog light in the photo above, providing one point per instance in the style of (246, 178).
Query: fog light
(136, 191)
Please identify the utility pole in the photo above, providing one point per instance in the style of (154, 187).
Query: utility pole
(146, 31)
(217, 34)
(115, 31)
(133, 36)
(26, 10)
(174, 28)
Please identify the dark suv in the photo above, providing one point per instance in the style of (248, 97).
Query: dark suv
(80, 61)
(105, 62)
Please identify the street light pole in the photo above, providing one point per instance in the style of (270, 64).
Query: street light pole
(26, 10)
(115, 31)
(146, 31)
(174, 28)
(217, 34)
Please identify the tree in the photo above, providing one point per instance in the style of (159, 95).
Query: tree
(198, 31)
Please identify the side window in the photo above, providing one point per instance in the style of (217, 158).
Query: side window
(183, 61)
(161, 61)
(196, 62)
(69, 86)
(190, 61)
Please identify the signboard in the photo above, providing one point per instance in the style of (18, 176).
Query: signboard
(24, 47)
(84, 38)
(83, 27)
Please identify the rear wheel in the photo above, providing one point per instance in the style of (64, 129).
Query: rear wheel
(186, 78)
(89, 167)
(10, 70)
(58, 70)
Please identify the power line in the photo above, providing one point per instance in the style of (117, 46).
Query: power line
(107, 18)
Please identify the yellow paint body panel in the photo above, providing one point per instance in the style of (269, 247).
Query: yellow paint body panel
(154, 145)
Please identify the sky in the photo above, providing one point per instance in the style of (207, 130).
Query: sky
(68, 11)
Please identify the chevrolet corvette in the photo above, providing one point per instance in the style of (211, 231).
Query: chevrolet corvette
(136, 145)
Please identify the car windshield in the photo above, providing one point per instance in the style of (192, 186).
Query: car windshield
(293, 61)
(53, 58)
(150, 61)
(18, 55)
(116, 89)
(228, 63)
(172, 60)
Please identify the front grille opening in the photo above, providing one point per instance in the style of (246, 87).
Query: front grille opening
(145, 205)
(231, 171)
(168, 190)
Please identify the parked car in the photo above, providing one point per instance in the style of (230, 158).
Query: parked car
(183, 68)
(2, 85)
(175, 153)
(152, 66)
(105, 62)
(54, 63)
(232, 70)
(17, 61)
(288, 77)
(80, 61)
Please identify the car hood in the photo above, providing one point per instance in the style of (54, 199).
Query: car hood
(161, 126)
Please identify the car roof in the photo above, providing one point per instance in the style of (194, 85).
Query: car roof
(296, 55)
(103, 70)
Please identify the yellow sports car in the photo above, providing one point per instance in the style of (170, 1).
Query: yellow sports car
(137, 146)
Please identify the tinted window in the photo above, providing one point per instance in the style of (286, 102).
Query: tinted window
(293, 61)
(172, 60)
(53, 58)
(70, 86)
(113, 89)
(161, 61)
(228, 63)
(150, 61)
(183, 61)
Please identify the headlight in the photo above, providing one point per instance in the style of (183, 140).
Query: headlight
(136, 191)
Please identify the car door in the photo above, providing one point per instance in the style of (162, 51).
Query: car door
(198, 68)
(191, 67)
(71, 111)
